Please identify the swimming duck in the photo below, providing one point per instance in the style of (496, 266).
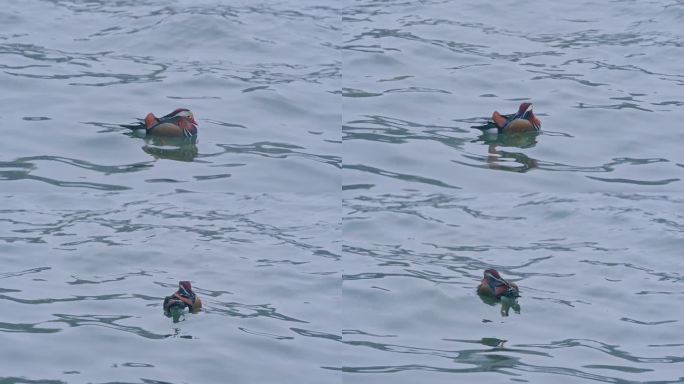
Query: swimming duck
(179, 123)
(494, 288)
(494, 285)
(522, 121)
(184, 297)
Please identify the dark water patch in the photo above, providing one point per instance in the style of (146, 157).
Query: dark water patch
(519, 162)
(103, 280)
(351, 187)
(637, 182)
(6, 275)
(576, 77)
(83, 164)
(612, 350)
(194, 97)
(248, 311)
(163, 181)
(21, 169)
(257, 88)
(24, 380)
(618, 368)
(613, 106)
(399, 176)
(135, 365)
(396, 78)
(268, 262)
(670, 102)
(213, 177)
(647, 322)
(351, 92)
(549, 201)
(264, 334)
(276, 151)
(316, 334)
(105, 321)
(66, 300)
(396, 131)
(58, 183)
(363, 333)
(25, 328)
(393, 348)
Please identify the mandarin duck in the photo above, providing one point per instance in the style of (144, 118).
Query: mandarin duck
(522, 121)
(184, 297)
(493, 286)
(179, 123)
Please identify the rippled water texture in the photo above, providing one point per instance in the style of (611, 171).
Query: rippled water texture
(337, 209)
(599, 277)
(605, 79)
(261, 79)
(82, 288)
(97, 225)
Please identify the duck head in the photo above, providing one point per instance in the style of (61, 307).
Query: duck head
(187, 296)
(185, 289)
(183, 113)
(524, 109)
(525, 112)
(494, 285)
(184, 119)
(492, 273)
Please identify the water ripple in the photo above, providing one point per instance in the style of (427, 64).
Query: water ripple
(277, 151)
(430, 250)
(248, 311)
(106, 321)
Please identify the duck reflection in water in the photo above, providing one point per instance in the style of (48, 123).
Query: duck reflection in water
(494, 289)
(499, 159)
(172, 148)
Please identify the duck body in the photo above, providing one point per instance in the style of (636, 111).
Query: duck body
(493, 285)
(183, 298)
(179, 123)
(522, 121)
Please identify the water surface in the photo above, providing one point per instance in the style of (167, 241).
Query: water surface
(603, 78)
(305, 283)
(268, 113)
(597, 273)
(82, 288)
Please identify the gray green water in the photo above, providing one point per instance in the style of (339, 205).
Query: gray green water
(337, 211)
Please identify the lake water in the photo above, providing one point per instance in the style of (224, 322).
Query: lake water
(597, 272)
(84, 276)
(604, 78)
(337, 210)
